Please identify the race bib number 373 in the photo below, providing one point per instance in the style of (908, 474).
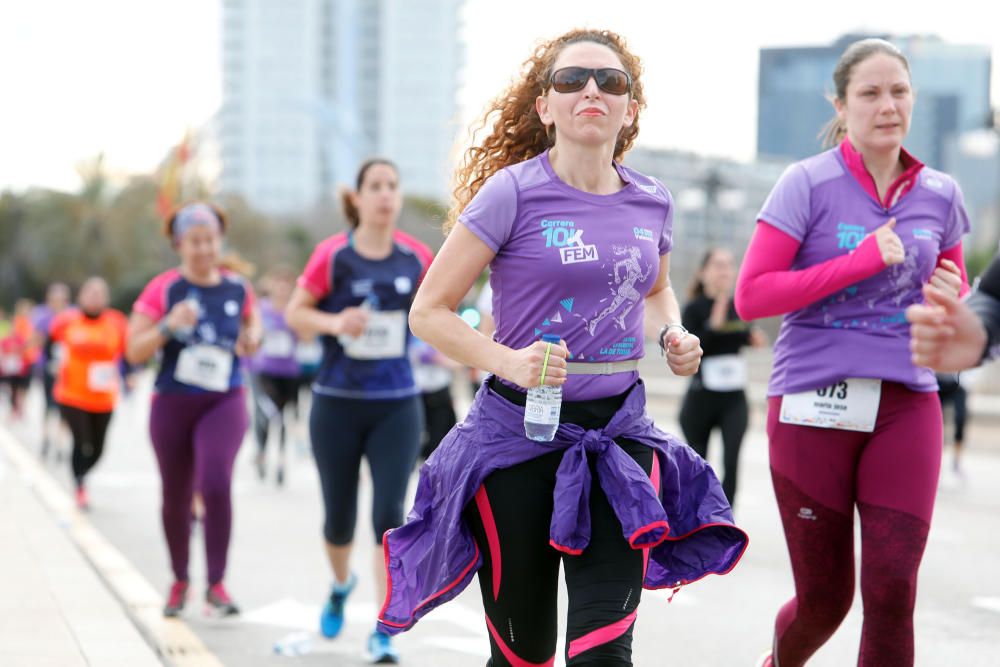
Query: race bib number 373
(848, 405)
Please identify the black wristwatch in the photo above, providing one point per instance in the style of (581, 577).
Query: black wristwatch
(663, 332)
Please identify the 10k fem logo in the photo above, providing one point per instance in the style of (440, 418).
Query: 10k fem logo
(849, 236)
(562, 234)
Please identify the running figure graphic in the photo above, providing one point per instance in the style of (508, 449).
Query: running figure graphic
(626, 291)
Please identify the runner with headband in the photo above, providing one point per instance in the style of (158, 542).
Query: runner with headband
(201, 319)
(578, 247)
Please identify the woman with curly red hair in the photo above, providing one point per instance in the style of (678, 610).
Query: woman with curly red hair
(578, 246)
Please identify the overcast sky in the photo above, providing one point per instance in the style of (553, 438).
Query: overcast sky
(128, 76)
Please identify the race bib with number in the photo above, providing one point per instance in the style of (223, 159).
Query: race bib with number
(384, 337)
(848, 405)
(278, 345)
(725, 372)
(102, 376)
(205, 366)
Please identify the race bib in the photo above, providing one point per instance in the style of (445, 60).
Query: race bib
(11, 364)
(205, 366)
(102, 376)
(725, 372)
(278, 345)
(309, 353)
(848, 405)
(58, 353)
(384, 337)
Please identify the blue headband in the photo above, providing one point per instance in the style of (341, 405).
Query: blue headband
(193, 215)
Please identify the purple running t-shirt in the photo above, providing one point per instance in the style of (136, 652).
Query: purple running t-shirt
(276, 354)
(572, 263)
(860, 331)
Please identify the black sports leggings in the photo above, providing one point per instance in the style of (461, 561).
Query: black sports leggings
(955, 394)
(387, 433)
(704, 410)
(89, 430)
(439, 414)
(271, 394)
(512, 511)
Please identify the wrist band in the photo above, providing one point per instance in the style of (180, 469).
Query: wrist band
(164, 329)
(545, 363)
(667, 327)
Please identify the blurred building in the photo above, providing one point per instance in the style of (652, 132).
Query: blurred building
(952, 82)
(716, 201)
(973, 158)
(313, 87)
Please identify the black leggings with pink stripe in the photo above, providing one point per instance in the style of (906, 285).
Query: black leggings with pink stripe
(519, 578)
(890, 475)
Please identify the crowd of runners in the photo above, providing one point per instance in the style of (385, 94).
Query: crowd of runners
(354, 356)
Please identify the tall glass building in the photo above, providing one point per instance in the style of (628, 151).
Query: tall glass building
(313, 87)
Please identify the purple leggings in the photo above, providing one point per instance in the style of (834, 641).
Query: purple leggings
(196, 438)
(891, 475)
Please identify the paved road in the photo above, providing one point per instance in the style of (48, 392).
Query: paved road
(279, 575)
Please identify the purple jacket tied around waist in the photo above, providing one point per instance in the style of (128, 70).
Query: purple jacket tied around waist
(689, 525)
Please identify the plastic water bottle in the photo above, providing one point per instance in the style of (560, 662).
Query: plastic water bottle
(193, 299)
(541, 410)
(297, 643)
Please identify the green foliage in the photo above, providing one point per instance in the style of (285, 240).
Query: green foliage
(976, 260)
(114, 231)
(48, 236)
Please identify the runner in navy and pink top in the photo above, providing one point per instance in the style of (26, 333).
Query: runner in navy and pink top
(355, 293)
(843, 245)
(578, 246)
(200, 320)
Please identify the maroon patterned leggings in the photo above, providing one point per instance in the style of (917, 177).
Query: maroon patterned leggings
(890, 475)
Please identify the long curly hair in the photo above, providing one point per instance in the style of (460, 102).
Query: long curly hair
(517, 133)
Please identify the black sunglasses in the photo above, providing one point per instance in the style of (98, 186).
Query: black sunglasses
(608, 79)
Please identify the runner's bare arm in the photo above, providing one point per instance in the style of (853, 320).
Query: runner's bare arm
(308, 321)
(683, 352)
(143, 339)
(145, 336)
(460, 261)
(251, 333)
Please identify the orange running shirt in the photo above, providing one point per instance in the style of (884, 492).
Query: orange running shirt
(93, 348)
(24, 329)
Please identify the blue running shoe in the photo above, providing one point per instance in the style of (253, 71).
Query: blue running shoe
(332, 619)
(380, 649)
